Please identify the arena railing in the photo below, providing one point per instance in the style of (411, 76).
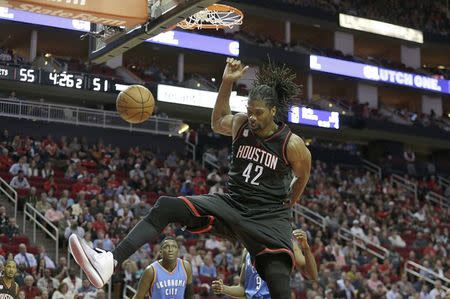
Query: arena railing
(438, 199)
(316, 218)
(372, 167)
(9, 193)
(191, 148)
(415, 269)
(207, 158)
(443, 182)
(85, 117)
(43, 223)
(405, 184)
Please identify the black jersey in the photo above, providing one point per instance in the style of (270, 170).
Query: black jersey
(259, 170)
(7, 293)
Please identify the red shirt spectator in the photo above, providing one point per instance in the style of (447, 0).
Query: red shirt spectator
(50, 183)
(99, 224)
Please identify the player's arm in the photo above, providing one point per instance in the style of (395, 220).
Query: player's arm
(221, 117)
(299, 159)
(188, 292)
(237, 291)
(304, 259)
(144, 283)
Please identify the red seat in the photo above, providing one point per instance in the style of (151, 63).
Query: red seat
(20, 239)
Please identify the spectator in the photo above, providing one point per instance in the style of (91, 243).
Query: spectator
(74, 229)
(43, 205)
(208, 269)
(396, 240)
(29, 289)
(42, 254)
(356, 230)
(12, 229)
(19, 181)
(87, 291)
(420, 242)
(47, 282)
(438, 291)
(21, 165)
(63, 292)
(47, 171)
(23, 257)
(72, 281)
(54, 215)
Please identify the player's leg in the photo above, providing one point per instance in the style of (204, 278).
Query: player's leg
(275, 270)
(99, 265)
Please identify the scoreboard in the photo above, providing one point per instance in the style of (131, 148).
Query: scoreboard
(79, 81)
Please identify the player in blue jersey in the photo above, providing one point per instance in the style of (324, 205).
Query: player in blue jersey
(251, 285)
(168, 278)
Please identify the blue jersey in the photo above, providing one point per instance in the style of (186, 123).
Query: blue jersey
(168, 285)
(255, 287)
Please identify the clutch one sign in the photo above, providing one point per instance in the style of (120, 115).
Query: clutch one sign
(108, 12)
(375, 73)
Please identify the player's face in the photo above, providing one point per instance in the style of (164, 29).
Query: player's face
(259, 115)
(10, 270)
(169, 250)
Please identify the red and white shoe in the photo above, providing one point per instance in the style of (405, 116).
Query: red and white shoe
(97, 264)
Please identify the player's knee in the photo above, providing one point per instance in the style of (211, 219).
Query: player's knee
(167, 209)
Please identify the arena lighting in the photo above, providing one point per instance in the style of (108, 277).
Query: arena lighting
(172, 38)
(375, 73)
(381, 28)
(197, 98)
(183, 128)
(207, 99)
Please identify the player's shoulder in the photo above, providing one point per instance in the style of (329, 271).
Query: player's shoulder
(187, 265)
(150, 269)
(297, 147)
(295, 141)
(239, 119)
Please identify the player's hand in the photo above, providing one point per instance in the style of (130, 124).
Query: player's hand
(234, 70)
(217, 286)
(301, 237)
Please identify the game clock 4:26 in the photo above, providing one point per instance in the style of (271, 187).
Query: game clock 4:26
(60, 79)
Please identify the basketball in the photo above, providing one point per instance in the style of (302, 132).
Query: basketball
(135, 104)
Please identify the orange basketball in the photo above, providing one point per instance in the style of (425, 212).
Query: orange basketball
(135, 104)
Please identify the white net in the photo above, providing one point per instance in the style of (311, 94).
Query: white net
(211, 18)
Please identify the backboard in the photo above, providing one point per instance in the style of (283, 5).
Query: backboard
(108, 42)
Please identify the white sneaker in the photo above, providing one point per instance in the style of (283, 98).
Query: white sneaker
(97, 264)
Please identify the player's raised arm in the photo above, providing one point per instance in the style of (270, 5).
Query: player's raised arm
(221, 118)
(299, 158)
(145, 283)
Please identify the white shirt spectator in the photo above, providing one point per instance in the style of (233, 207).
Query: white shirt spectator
(16, 167)
(397, 241)
(73, 286)
(25, 258)
(20, 183)
(435, 292)
(356, 230)
(213, 243)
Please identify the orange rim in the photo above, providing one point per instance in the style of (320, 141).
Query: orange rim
(215, 8)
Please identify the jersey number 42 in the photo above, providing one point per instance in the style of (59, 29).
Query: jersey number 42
(247, 174)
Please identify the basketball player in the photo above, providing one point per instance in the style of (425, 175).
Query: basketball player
(257, 210)
(9, 289)
(251, 285)
(170, 277)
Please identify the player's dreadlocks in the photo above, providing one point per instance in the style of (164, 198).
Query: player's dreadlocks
(275, 86)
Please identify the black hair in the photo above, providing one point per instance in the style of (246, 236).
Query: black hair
(166, 239)
(275, 86)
